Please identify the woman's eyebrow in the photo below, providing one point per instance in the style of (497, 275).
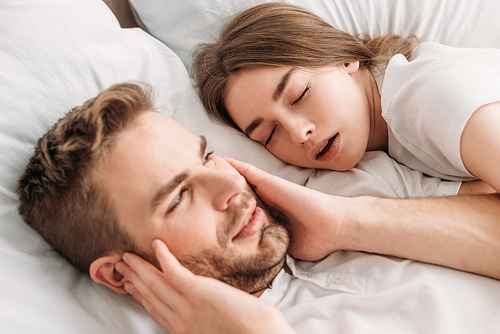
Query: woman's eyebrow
(276, 96)
(255, 123)
(281, 86)
(203, 146)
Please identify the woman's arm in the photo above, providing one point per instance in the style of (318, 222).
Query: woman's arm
(461, 232)
(477, 187)
(480, 144)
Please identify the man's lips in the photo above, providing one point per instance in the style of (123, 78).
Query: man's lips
(251, 223)
(326, 150)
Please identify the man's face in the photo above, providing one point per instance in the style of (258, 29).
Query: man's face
(165, 185)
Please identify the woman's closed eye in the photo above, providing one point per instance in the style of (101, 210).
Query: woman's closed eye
(301, 96)
(270, 136)
(304, 92)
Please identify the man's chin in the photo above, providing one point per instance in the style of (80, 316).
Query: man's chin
(250, 273)
(273, 228)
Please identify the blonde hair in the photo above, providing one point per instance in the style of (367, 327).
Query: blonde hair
(59, 192)
(279, 34)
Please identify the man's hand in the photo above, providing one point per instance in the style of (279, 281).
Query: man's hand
(182, 302)
(315, 221)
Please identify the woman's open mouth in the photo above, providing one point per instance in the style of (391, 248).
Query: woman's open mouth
(328, 150)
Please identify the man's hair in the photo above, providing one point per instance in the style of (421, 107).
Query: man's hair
(279, 34)
(60, 192)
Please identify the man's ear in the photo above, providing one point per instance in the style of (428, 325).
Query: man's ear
(103, 271)
(352, 67)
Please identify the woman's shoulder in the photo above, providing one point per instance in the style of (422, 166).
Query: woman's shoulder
(440, 78)
(440, 53)
(433, 65)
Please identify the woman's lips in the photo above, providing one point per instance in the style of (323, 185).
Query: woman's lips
(255, 222)
(328, 149)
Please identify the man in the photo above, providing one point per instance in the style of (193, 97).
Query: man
(165, 184)
(114, 175)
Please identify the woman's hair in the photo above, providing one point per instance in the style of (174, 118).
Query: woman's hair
(60, 192)
(279, 34)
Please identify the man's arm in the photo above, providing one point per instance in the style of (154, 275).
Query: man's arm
(461, 232)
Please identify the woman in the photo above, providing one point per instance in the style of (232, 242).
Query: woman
(318, 97)
(175, 296)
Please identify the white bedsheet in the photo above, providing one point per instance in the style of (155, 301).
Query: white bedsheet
(352, 292)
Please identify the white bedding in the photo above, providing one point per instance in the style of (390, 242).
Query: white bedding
(56, 54)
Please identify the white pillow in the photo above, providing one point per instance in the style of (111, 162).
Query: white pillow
(54, 55)
(182, 24)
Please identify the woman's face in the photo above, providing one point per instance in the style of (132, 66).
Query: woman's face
(309, 118)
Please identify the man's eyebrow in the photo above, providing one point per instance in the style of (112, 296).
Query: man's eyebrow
(167, 189)
(276, 96)
(281, 86)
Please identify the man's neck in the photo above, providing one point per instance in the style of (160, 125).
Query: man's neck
(260, 292)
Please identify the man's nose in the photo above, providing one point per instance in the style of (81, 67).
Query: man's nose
(224, 187)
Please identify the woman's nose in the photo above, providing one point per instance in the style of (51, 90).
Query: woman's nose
(299, 130)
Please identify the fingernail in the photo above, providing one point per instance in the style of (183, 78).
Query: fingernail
(128, 288)
(126, 259)
(154, 245)
(119, 268)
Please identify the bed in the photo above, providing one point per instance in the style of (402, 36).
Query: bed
(56, 54)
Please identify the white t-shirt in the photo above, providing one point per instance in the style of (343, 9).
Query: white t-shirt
(428, 100)
(354, 292)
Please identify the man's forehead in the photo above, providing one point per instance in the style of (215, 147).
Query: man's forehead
(153, 140)
(172, 134)
(149, 161)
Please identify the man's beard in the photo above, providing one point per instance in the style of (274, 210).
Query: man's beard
(252, 273)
